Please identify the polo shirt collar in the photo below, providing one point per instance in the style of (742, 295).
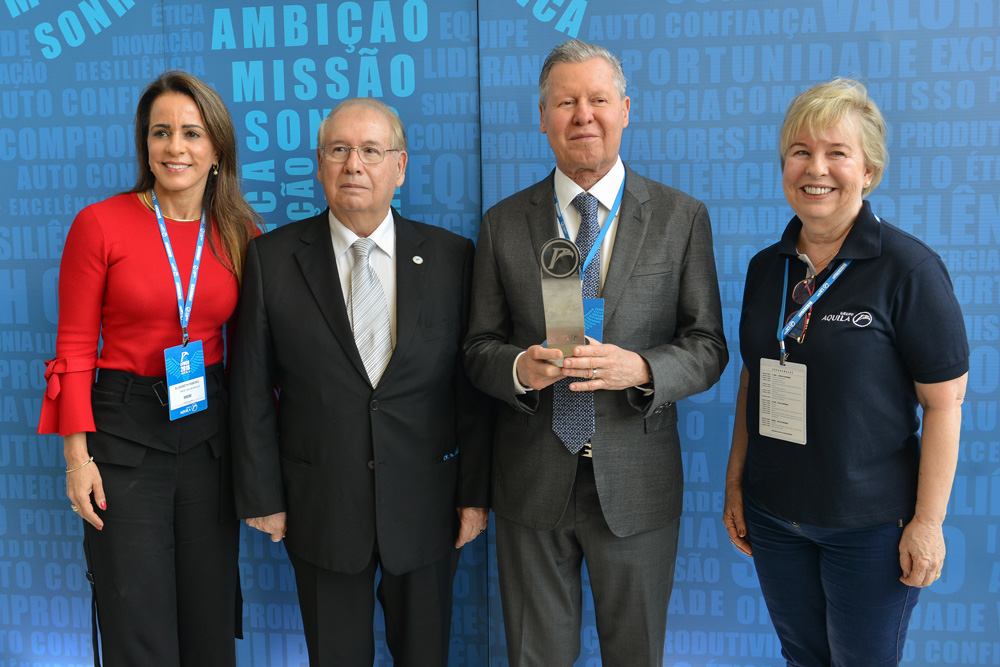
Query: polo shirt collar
(864, 241)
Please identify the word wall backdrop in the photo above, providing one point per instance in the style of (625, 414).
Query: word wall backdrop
(709, 81)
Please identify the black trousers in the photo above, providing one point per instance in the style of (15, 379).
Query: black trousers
(338, 613)
(164, 567)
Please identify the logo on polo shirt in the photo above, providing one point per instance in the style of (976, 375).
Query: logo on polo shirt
(860, 320)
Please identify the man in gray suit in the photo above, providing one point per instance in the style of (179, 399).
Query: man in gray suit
(592, 469)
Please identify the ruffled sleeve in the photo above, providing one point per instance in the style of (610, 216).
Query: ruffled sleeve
(76, 374)
(66, 406)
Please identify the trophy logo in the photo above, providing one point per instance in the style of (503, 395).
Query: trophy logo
(560, 258)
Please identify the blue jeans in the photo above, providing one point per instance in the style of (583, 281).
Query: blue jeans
(834, 596)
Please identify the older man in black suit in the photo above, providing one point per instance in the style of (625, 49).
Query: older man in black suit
(591, 470)
(376, 452)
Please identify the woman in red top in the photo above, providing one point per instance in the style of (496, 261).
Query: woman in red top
(161, 536)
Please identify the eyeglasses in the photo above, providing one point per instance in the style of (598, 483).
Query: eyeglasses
(798, 332)
(801, 293)
(369, 154)
(804, 289)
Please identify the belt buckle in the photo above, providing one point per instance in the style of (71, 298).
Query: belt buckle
(157, 392)
(587, 452)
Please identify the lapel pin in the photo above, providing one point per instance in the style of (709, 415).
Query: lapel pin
(417, 259)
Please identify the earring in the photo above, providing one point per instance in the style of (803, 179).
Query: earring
(215, 169)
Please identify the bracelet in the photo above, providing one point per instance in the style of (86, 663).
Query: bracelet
(81, 465)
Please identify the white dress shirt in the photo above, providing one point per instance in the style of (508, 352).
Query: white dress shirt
(605, 190)
(380, 259)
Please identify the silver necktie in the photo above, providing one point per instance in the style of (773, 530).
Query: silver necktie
(369, 313)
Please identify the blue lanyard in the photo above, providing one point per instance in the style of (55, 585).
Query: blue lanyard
(594, 249)
(182, 307)
(785, 329)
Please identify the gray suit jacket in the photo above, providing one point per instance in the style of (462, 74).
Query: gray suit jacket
(661, 300)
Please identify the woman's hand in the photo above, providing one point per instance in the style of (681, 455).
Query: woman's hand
(732, 516)
(921, 553)
(83, 480)
(732, 513)
(921, 548)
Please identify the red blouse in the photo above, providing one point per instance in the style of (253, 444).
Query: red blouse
(115, 285)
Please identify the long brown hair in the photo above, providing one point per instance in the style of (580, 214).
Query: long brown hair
(233, 218)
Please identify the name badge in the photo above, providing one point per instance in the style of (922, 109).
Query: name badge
(783, 401)
(186, 385)
(593, 318)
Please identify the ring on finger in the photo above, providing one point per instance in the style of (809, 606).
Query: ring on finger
(593, 372)
(74, 508)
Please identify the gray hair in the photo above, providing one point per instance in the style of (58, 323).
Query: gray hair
(575, 51)
(398, 133)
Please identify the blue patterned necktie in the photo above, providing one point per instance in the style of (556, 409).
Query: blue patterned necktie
(369, 313)
(573, 412)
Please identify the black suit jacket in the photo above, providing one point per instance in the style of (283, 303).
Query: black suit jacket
(352, 464)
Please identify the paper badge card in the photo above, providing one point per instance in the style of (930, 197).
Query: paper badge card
(783, 401)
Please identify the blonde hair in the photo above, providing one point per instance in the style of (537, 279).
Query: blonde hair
(828, 104)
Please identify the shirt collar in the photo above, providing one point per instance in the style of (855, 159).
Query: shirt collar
(864, 240)
(384, 235)
(606, 189)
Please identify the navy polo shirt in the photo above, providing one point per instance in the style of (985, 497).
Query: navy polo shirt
(889, 320)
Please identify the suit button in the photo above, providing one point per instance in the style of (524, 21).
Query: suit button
(658, 410)
(371, 465)
(373, 405)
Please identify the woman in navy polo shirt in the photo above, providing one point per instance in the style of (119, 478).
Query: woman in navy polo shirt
(848, 325)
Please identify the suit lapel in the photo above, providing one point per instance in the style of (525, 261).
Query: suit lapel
(542, 216)
(633, 221)
(319, 268)
(411, 279)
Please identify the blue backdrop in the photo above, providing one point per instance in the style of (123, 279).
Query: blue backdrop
(709, 82)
